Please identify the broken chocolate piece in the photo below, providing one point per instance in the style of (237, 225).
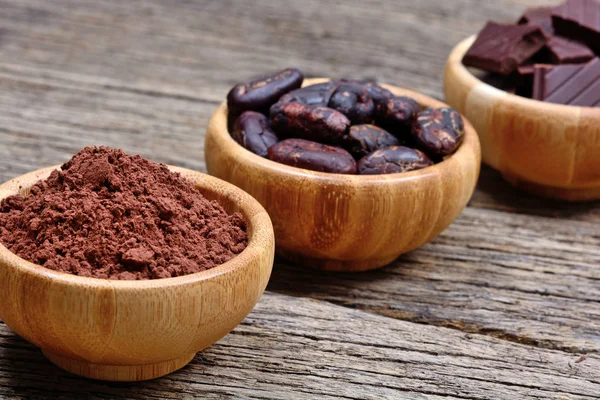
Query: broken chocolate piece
(565, 51)
(540, 16)
(525, 71)
(579, 20)
(577, 84)
(525, 80)
(502, 48)
(506, 83)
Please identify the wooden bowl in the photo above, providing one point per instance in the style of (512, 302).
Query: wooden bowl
(548, 149)
(135, 330)
(348, 222)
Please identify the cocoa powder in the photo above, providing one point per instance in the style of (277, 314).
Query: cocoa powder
(110, 215)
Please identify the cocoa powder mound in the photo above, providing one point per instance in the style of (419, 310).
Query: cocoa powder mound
(111, 215)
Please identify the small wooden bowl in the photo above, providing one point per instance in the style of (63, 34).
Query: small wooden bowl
(135, 330)
(348, 222)
(548, 149)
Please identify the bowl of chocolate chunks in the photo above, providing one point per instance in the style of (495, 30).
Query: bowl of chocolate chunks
(531, 88)
(352, 173)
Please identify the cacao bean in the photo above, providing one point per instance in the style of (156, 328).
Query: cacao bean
(438, 131)
(378, 94)
(313, 95)
(354, 102)
(314, 156)
(394, 159)
(398, 115)
(320, 124)
(253, 131)
(365, 139)
(260, 94)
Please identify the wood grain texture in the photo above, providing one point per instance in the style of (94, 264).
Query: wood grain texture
(547, 149)
(348, 222)
(135, 330)
(147, 75)
(302, 349)
(489, 273)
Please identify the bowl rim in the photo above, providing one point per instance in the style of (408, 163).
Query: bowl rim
(255, 215)
(455, 59)
(218, 125)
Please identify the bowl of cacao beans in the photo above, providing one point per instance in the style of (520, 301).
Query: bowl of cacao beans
(352, 173)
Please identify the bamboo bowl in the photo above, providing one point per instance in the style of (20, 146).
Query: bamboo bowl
(547, 149)
(348, 222)
(135, 330)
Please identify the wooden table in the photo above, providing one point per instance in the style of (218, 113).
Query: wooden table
(505, 304)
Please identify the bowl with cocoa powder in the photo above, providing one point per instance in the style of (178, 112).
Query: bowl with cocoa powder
(352, 173)
(531, 88)
(120, 268)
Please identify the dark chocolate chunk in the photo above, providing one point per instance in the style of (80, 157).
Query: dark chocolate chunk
(566, 51)
(579, 20)
(502, 48)
(525, 80)
(526, 70)
(540, 16)
(574, 84)
(507, 83)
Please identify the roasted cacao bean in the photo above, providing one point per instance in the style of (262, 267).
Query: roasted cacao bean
(370, 122)
(438, 131)
(398, 115)
(260, 94)
(320, 124)
(313, 95)
(253, 131)
(354, 102)
(365, 139)
(378, 94)
(391, 160)
(314, 156)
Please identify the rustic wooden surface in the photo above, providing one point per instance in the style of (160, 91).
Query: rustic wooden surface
(505, 304)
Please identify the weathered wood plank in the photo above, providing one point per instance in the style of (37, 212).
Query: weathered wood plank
(302, 349)
(522, 278)
(137, 43)
(44, 120)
